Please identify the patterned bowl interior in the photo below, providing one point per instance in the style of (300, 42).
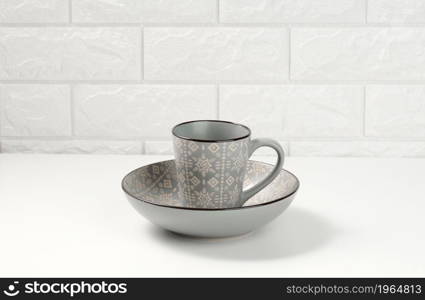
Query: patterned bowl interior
(157, 184)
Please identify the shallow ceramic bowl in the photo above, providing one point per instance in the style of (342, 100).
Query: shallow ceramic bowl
(153, 191)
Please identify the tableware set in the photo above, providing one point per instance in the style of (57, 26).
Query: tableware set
(211, 189)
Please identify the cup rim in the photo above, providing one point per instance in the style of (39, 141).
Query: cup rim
(211, 141)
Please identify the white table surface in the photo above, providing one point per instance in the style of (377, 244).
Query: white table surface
(65, 215)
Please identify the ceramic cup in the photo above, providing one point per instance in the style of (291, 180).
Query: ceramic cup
(211, 158)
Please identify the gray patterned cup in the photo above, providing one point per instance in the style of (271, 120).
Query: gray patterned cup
(211, 158)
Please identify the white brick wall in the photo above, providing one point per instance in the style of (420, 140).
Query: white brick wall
(34, 11)
(146, 11)
(295, 110)
(139, 110)
(70, 53)
(216, 54)
(396, 11)
(324, 77)
(292, 11)
(358, 53)
(35, 110)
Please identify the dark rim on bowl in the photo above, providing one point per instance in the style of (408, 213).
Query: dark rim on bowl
(211, 141)
(211, 209)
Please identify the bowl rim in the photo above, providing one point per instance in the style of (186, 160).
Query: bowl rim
(211, 209)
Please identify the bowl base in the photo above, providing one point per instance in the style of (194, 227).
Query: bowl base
(203, 237)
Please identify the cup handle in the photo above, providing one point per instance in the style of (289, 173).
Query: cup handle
(254, 145)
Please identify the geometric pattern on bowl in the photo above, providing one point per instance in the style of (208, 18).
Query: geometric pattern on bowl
(157, 184)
